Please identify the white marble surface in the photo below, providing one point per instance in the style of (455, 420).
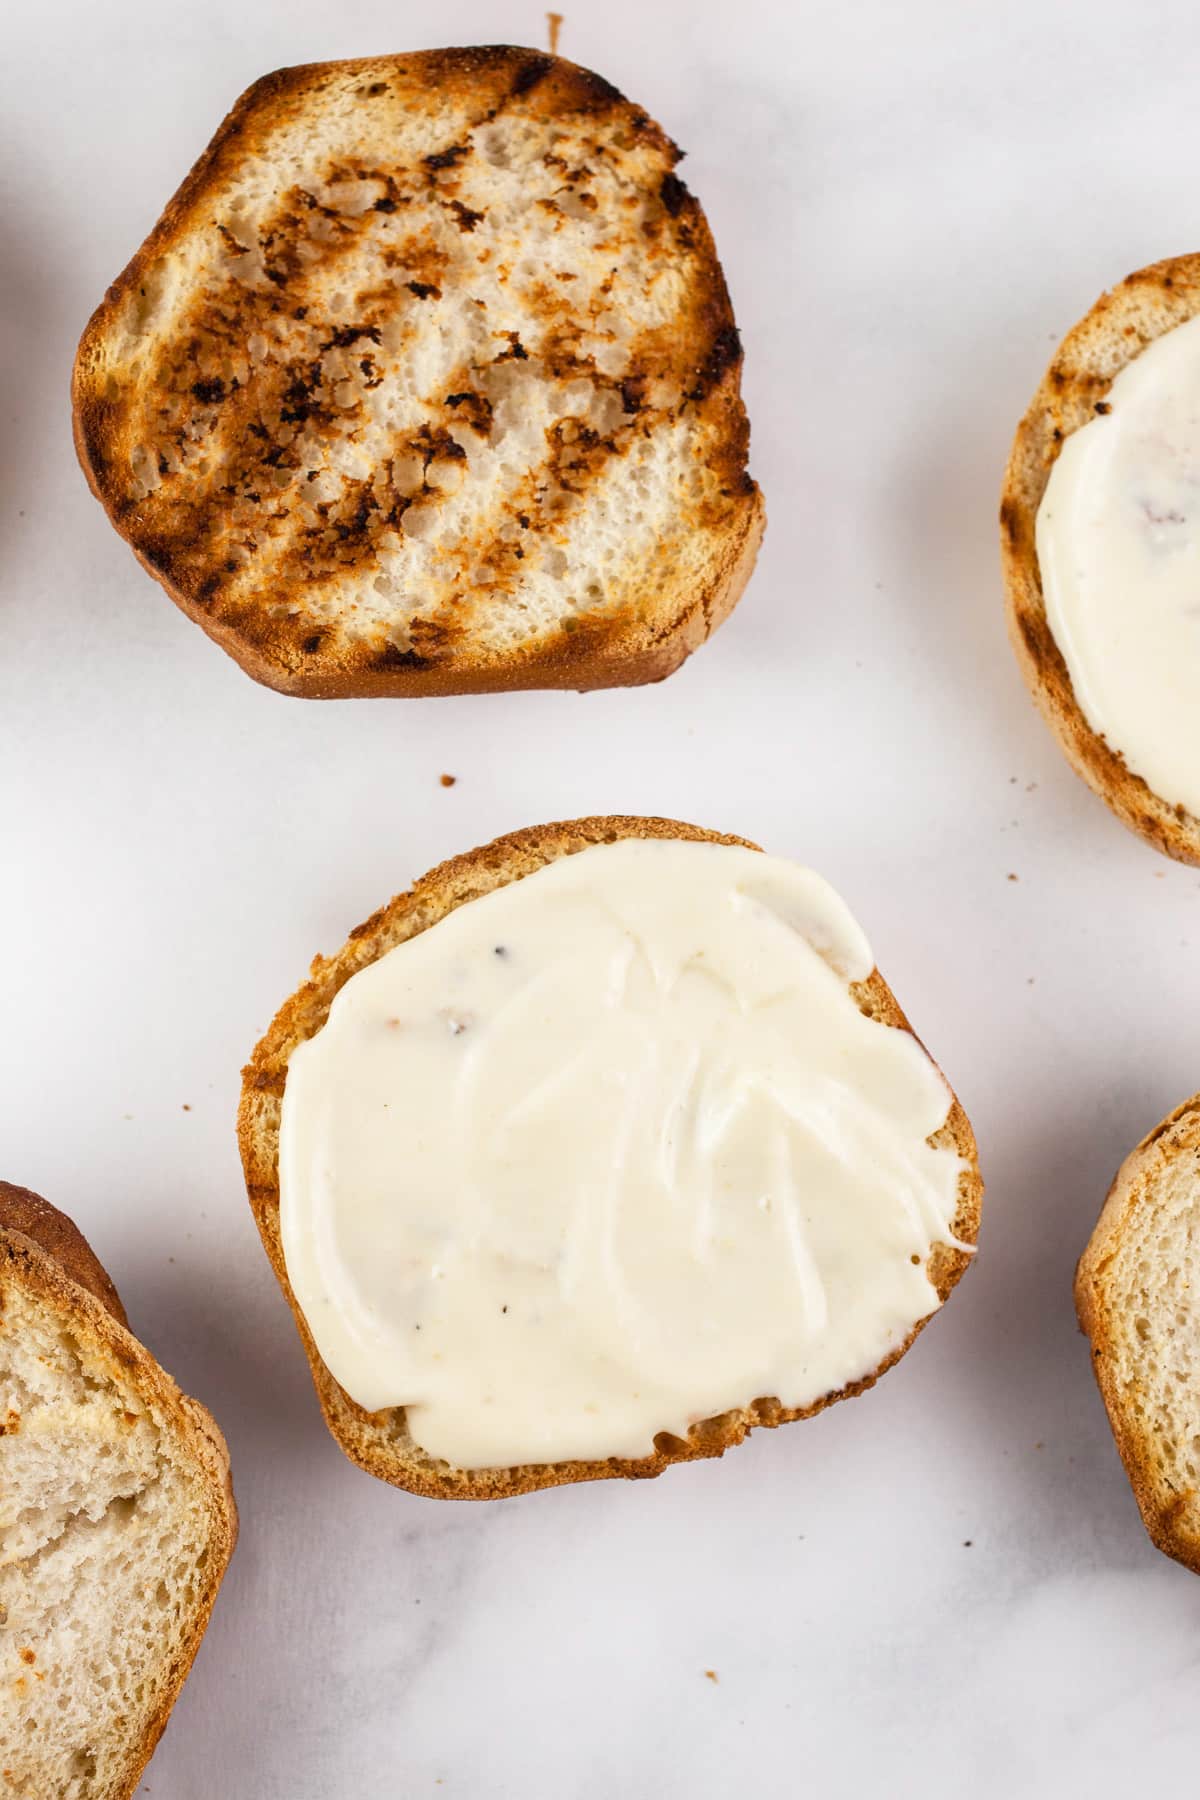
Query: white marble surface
(942, 1588)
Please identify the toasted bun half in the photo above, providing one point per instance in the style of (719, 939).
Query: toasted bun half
(380, 1442)
(427, 382)
(1093, 353)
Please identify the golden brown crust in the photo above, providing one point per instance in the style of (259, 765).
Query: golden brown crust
(45, 1260)
(1132, 1191)
(23, 1210)
(224, 541)
(1118, 327)
(379, 1442)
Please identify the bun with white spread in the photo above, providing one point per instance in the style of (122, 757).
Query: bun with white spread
(601, 1146)
(1100, 524)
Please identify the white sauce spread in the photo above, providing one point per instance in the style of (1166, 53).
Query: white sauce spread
(1118, 544)
(609, 1151)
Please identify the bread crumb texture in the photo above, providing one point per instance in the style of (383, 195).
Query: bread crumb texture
(428, 381)
(1138, 1295)
(114, 1534)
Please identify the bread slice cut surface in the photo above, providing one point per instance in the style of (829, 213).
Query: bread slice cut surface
(559, 1174)
(1137, 1293)
(116, 1522)
(427, 381)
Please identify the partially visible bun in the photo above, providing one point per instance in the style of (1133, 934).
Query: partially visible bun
(1135, 1293)
(117, 1521)
(1120, 325)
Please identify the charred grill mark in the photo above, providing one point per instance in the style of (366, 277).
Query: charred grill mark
(432, 638)
(467, 217)
(725, 354)
(529, 75)
(447, 159)
(345, 335)
(393, 657)
(209, 391)
(355, 523)
(673, 194)
(473, 409)
(424, 290)
(231, 243)
(420, 257)
(599, 94)
(572, 460)
(516, 351)
(301, 402)
(434, 441)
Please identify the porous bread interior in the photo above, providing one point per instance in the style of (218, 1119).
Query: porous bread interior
(1121, 324)
(381, 1442)
(106, 1524)
(486, 423)
(1139, 1300)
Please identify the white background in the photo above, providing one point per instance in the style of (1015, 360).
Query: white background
(912, 203)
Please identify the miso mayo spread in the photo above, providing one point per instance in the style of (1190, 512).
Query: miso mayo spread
(1118, 544)
(607, 1152)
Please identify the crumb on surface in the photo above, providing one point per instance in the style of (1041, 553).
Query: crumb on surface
(711, 1675)
(967, 1542)
(1012, 878)
(448, 780)
(554, 23)
(186, 1106)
